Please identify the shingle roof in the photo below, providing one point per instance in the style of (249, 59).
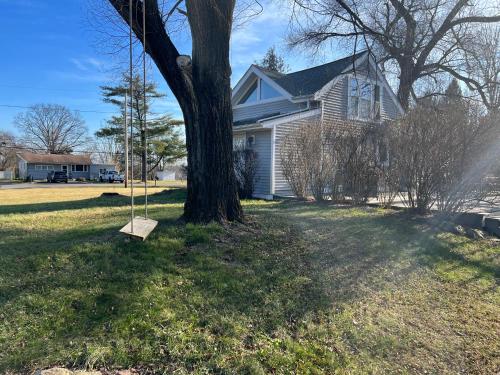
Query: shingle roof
(254, 120)
(55, 159)
(308, 81)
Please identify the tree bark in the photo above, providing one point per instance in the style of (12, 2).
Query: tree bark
(203, 91)
(210, 134)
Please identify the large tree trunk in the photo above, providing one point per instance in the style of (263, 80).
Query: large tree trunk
(406, 81)
(203, 91)
(210, 134)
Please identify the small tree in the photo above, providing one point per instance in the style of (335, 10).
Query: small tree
(273, 62)
(307, 160)
(7, 151)
(356, 154)
(444, 151)
(293, 160)
(51, 128)
(163, 141)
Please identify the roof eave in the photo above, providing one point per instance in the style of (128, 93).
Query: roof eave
(302, 98)
(256, 125)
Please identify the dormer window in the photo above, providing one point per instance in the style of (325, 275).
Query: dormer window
(267, 92)
(251, 95)
(260, 90)
(364, 99)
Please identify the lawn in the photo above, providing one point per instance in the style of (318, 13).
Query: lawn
(302, 288)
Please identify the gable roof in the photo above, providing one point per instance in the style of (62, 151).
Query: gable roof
(55, 159)
(308, 81)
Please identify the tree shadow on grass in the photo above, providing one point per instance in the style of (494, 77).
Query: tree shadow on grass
(192, 294)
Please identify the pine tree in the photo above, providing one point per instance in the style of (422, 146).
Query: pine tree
(164, 143)
(273, 62)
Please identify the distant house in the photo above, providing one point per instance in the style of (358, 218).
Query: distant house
(37, 166)
(165, 175)
(269, 105)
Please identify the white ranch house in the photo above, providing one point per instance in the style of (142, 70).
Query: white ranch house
(268, 105)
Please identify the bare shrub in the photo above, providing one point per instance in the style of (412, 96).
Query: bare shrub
(389, 180)
(388, 183)
(293, 156)
(308, 161)
(7, 151)
(245, 167)
(355, 148)
(444, 151)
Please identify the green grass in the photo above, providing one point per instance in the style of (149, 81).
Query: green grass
(302, 288)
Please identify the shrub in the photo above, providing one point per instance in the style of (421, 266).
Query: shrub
(245, 167)
(307, 160)
(444, 151)
(355, 148)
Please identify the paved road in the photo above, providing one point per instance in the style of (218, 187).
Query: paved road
(38, 185)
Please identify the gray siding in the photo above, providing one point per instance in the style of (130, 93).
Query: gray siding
(259, 110)
(281, 186)
(41, 174)
(389, 108)
(335, 101)
(262, 148)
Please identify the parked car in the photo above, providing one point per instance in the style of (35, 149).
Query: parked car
(57, 176)
(111, 176)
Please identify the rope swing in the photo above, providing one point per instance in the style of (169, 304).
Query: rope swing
(138, 227)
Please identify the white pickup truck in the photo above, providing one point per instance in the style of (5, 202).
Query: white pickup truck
(111, 176)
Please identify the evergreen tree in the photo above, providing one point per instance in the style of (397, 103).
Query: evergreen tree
(273, 62)
(163, 140)
(453, 92)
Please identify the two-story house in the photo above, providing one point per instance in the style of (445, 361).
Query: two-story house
(269, 105)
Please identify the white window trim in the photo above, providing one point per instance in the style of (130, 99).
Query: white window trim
(259, 100)
(236, 94)
(239, 137)
(373, 83)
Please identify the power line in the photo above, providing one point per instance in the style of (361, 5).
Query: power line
(75, 110)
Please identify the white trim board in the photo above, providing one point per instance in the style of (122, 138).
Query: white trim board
(296, 116)
(237, 93)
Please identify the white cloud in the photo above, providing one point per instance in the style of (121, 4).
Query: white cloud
(87, 64)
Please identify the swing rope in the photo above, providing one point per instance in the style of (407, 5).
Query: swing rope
(144, 103)
(131, 78)
(145, 108)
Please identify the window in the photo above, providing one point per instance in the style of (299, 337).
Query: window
(44, 167)
(79, 168)
(258, 91)
(251, 95)
(364, 99)
(267, 92)
(239, 141)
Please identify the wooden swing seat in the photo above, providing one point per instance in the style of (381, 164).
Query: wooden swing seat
(142, 228)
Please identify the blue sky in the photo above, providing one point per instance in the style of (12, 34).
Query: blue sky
(53, 53)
